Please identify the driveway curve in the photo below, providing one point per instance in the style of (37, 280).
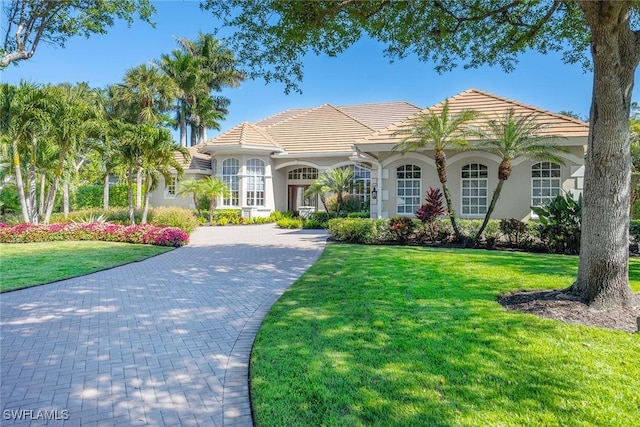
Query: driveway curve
(161, 342)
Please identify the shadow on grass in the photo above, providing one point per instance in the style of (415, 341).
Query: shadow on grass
(408, 336)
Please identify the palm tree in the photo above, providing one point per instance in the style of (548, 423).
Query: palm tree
(190, 187)
(184, 70)
(212, 188)
(72, 116)
(317, 189)
(24, 116)
(338, 181)
(158, 159)
(510, 137)
(439, 131)
(216, 67)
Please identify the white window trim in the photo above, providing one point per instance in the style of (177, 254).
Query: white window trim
(168, 195)
(398, 197)
(486, 187)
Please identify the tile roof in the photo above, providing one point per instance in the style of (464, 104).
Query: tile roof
(323, 129)
(198, 160)
(489, 105)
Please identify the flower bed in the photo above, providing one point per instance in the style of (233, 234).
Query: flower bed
(144, 234)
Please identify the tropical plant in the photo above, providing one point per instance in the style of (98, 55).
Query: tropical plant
(190, 187)
(440, 131)
(512, 136)
(315, 190)
(212, 188)
(338, 181)
(158, 159)
(560, 222)
(431, 210)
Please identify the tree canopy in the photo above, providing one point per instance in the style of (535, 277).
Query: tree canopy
(27, 23)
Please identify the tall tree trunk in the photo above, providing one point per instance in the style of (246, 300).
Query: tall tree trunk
(182, 119)
(492, 206)
(51, 196)
(194, 135)
(202, 134)
(19, 183)
(132, 216)
(43, 187)
(139, 188)
(441, 167)
(65, 198)
(603, 273)
(145, 210)
(105, 192)
(32, 195)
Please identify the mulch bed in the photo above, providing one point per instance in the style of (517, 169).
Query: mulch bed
(567, 308)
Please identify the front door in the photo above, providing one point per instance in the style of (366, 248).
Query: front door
(296, 198)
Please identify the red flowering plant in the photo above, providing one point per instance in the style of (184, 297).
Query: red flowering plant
(431, 210)
(144, 234)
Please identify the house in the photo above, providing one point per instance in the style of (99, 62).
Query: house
(268, 164)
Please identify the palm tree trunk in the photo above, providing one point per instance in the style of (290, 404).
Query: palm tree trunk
(212, 206)
(105, 192)
(183, 124)
(194, 135)
(19, 182)
(492, 206)
(139, 189)
(145, 210)
(441, 167)
(132, 217)
(202, 134)
(65, 198)
(43, 186)
(32, 197)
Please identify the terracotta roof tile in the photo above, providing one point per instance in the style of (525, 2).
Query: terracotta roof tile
(488, 105)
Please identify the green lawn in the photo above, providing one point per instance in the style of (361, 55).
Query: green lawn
(375, 335)
(28, 264)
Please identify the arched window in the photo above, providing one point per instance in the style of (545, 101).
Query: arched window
(303, 173)
(474, 189)
(545, 182)
(255, 182)
(230, 169)
(408, 189)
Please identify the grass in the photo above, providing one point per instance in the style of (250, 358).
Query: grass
(375, 335)
(28, 264)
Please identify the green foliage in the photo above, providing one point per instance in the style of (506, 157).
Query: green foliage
(289, 223)
(112, 215)
(634, 229)
(227, 216)
(361, 214)
(560, 223)
(355, 230)
(350, 204)
(171, 216)
(469, 227)
(90, 196)
(513, 229)
(9, 199)
(311, 223)
(401, 227)
(492, 232)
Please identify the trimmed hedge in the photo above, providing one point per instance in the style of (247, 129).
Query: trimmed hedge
(143, 234)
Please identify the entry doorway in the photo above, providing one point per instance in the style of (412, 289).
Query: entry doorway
(296, 198)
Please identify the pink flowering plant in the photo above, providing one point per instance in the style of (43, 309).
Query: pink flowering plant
(143, 234)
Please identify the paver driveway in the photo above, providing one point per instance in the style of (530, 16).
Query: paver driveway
(164, 342)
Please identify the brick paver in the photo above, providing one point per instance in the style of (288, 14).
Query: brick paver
(162, 342)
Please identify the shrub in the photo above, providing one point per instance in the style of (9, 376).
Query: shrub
(350, 203)
(113, 215)
(560, 223)
(311, 223)
(142, 234)
(514, 230)
(90, 196)
(357, 230)
(227, 216)
(9, 199)
(429, 212)
(492, 232)
(276, 216)
(361, 214)
(469, 227)
(171, 216)
(289, 223)
(402, 227)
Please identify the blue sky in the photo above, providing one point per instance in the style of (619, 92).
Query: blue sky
(360, 75)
